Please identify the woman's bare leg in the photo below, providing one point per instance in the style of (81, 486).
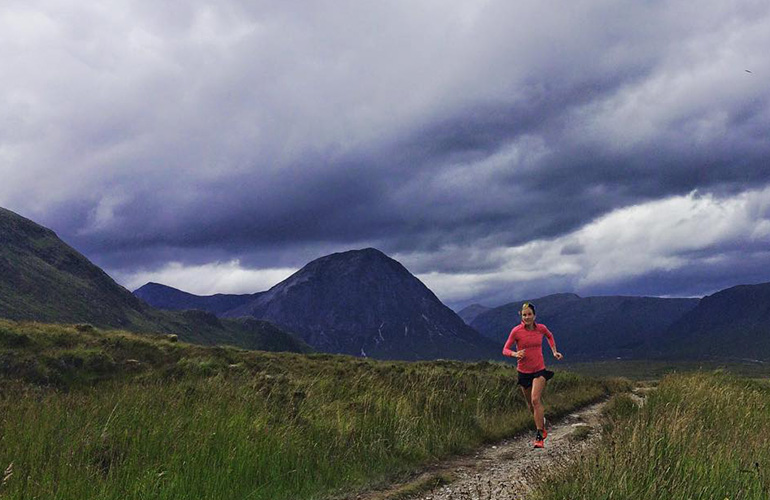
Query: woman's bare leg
(527, 392)
(536, 405)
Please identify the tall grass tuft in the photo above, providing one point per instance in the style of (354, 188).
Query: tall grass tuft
(698, 436)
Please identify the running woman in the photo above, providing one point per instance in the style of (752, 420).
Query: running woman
(528, 337)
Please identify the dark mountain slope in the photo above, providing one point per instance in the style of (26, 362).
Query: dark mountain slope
(732, 323)
(44, 279)
(364, 303)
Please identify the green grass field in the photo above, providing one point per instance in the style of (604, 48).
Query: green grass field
(698, 436)
(86, 413)
(655, 369)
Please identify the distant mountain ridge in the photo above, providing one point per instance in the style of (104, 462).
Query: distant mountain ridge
(469, 313)
(363, 303)
(593, 327)
(172, 299)
(44, 279)
(587, 328)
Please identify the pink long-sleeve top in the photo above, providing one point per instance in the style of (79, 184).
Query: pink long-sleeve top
(532, 342)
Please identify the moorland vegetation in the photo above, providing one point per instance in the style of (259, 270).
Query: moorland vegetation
(699, 435)
(98, 414)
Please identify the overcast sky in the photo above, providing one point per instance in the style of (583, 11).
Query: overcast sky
(499, 149)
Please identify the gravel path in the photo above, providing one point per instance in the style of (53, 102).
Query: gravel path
(509, 469)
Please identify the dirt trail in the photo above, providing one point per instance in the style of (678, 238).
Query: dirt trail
(507, 470)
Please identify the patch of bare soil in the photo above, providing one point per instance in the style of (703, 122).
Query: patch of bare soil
(507, 470)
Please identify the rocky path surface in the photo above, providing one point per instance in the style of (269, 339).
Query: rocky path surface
(509, 469)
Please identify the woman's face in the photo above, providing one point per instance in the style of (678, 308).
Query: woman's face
(527, 316)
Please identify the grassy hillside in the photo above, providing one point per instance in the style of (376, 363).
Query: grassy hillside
(112, 415)
(71, 356)
(44, 279)
(698, 436)
(204, 328)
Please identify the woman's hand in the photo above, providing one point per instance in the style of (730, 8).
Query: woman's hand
(557, 355)
(518, 354)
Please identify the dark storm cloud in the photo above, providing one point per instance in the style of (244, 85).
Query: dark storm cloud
(443, 133)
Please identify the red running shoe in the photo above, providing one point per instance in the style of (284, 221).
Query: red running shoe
(539, 438)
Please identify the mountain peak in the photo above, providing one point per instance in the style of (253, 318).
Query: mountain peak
(362, 302)
(354, 260)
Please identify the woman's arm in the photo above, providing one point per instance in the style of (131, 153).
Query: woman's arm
(551, 342)
(507, 351)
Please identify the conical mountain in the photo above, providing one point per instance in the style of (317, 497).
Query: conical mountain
(364, 303)
(44, 279)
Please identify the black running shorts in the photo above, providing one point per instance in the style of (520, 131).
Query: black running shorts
(525, 379)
